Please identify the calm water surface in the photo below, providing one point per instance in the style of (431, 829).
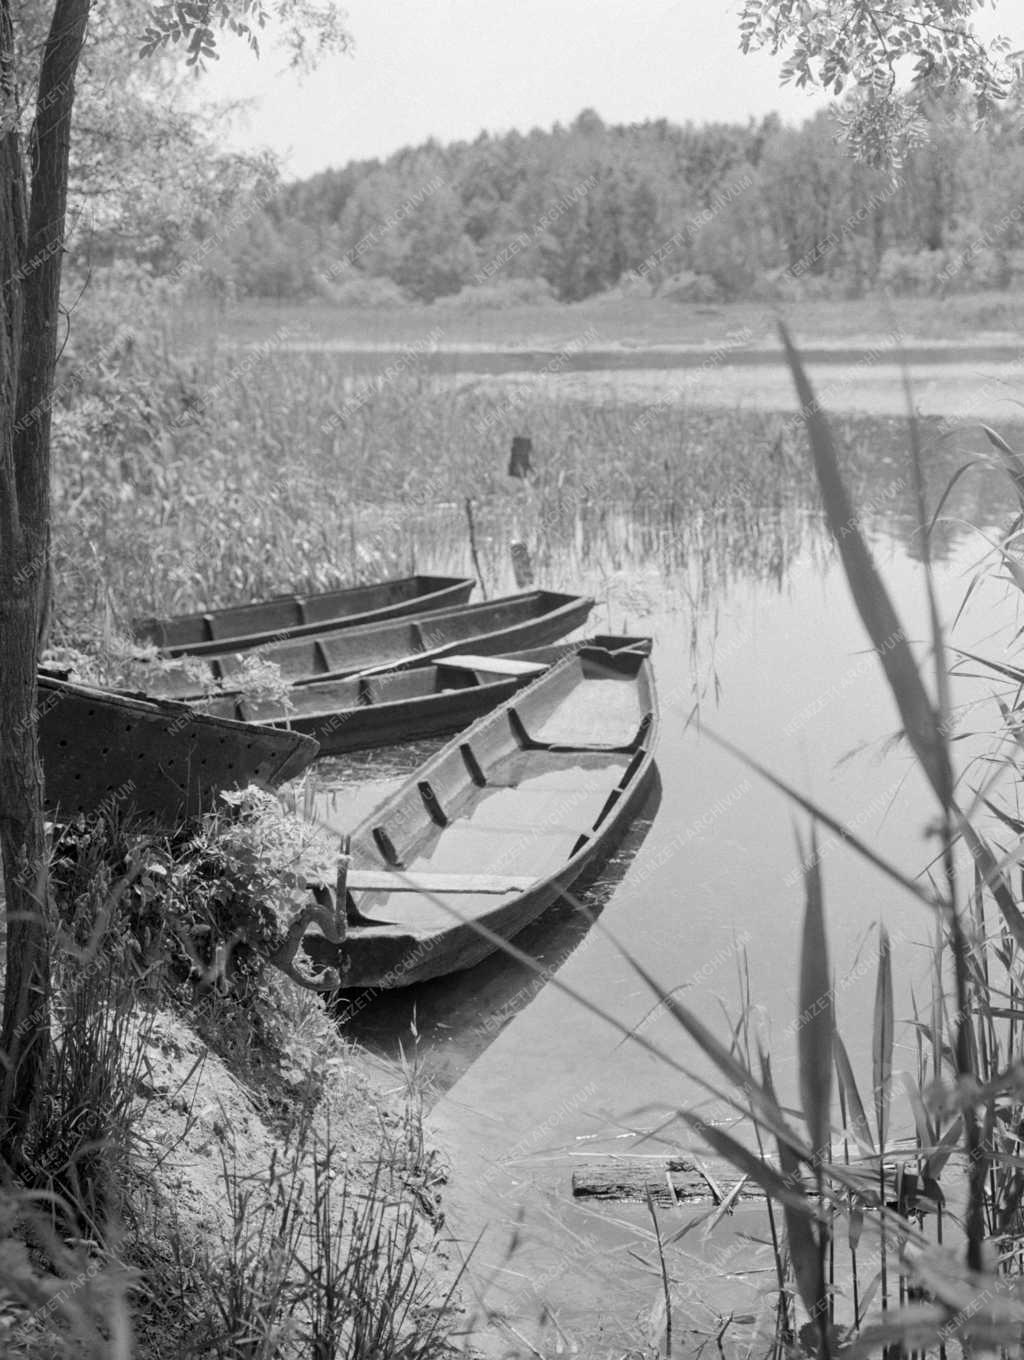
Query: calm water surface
(756, 640)
(965, 380)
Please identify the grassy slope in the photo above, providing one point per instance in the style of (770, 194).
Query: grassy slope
(211, 1170)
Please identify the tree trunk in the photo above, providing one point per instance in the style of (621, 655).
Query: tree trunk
(31, 259)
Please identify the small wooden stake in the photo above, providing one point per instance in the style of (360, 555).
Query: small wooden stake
(344, 861)
(519, 458)
(472, 546)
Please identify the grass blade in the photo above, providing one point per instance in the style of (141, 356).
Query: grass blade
(858, 1119)
(920, 720)
(926, 1136)
(966, 467)
(1011, 460)
(805, 1247)
(882, 1037)
(787, 1188)
(994, 881)
(946, 1146)
(816, 1018)
(1000, 667)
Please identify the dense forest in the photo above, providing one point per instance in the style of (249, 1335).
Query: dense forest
(691, 213)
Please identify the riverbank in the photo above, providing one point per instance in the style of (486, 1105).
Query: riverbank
(257, 1192)
(212, 1167)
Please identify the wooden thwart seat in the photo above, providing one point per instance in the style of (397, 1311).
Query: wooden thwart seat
(395, 880)
(498, 665)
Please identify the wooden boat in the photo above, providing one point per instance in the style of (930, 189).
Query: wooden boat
(499, 824)
(292, 616)
(101, 749)
(424, 701)
(489, 629)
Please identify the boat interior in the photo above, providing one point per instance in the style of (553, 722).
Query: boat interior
(362, 649)
(328, 697)
(496, 814)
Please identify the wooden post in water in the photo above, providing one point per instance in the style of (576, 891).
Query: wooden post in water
(472, 546)
(519, 458)
(341, 883)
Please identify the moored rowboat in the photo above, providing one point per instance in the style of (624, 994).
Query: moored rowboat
(291, 616)
(499, 824)
(492, 628)
(424, 701)
(101, 749)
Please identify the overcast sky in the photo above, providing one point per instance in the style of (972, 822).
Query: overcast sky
(450, 68)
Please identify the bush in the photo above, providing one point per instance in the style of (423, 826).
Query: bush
(204, 906)
(364, 290)
(686, 286)
(497, 296)
(913, 273)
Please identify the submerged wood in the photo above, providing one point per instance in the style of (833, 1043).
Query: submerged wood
(290, 616)
(407, 705)
(109, 751)
(500, 823)
(692, 1179)
(668, 1180)
(510, 624)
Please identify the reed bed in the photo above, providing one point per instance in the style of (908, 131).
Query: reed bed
(202, 480)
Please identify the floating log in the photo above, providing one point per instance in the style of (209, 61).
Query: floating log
(690, 1180)
(670, 1180)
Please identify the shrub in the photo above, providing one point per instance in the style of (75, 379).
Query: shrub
(363, 290)
(497, 296)
(686, 286)
(912, 273)
(205, 905)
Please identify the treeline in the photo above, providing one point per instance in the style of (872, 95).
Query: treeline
(695, 213)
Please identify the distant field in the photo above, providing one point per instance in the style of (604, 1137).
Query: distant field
(608, 321)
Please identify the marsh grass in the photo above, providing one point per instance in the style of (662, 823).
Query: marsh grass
(202, 480)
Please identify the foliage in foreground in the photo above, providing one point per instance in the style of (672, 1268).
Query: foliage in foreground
(320, 1254)
(932, 1231)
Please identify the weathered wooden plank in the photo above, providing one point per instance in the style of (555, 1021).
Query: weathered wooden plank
(396, 880)
(497, 665)
(693, 1180)
(670, 1180)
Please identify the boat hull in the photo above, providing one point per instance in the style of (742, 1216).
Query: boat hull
(499, 824)
(514, 623)
(410, 705)
(294, 616)
(102, 750)
(385, 961)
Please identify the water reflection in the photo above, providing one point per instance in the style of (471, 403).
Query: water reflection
(688, 548)
(461, 1015)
